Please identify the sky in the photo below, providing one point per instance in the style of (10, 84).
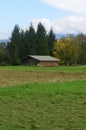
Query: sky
(63, 16)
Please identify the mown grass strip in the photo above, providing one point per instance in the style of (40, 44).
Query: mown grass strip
(44, 106)
(72, 69)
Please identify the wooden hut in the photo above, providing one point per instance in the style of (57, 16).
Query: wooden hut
(38, 60)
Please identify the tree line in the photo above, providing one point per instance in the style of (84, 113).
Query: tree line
(70, 50)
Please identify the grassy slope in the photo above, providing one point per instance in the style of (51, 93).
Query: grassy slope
(50, 106)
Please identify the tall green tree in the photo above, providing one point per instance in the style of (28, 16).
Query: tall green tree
(41, 41)
(22, 46)
(29, 41)
(14, 46)
(3, 54)
(26, 50)
(51, 39)
(81, 39)
(32, 40)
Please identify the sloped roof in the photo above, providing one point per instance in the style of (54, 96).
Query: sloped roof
(44, 58)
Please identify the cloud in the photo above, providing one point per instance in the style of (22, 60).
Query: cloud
(67, 25)
(76, 6)
(47, 23)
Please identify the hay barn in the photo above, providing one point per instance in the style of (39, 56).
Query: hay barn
(37, 60)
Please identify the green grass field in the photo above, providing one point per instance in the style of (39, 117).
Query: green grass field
(72, 69)
(43, 98)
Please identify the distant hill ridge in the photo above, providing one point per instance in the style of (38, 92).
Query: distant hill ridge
(4, 40)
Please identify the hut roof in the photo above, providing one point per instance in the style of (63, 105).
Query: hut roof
(43, 58)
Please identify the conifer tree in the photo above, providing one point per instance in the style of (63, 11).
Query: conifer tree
(51, 39)
(41, 40)
(14, 45)
(32, 40)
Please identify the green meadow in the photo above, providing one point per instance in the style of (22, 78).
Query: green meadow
(43, 98)
(81, 69)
